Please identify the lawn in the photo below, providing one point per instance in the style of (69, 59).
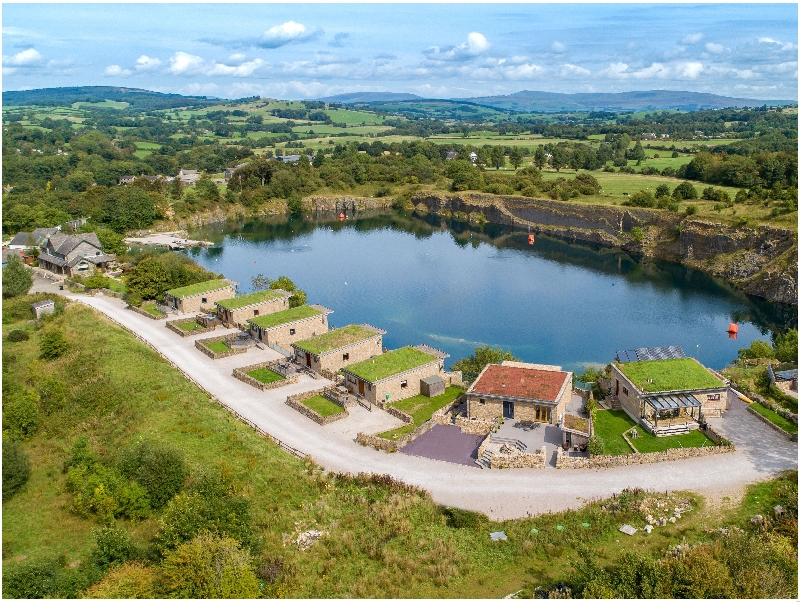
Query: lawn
(285, 316)
(117, 286)
(189, 326)
(151, 309)
(218, 347)
(609, 426)
(775, 418)
(669, 375)
(354, 117)
(147, 145)
(388, 364)
(323, 407)
(265, 375)
(420, 408)
(650, 443)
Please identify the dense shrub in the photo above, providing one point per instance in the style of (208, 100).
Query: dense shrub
(17, 278)
(127, 581)
(156, 467)
(757, 349)
(16, 468)
(96, 281)
(684, 191)
(32, 578)
(17, 335)
(21, 415)
(112, 545)
(596, 446)
(133, 299)
(53, 344)
(786, 346)
(107, 493)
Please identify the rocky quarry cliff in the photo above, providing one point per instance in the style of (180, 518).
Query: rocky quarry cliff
(762, 261)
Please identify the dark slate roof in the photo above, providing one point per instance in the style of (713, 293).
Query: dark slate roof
(51, 259)
(22, 238)
(64, 243)
(95, 259)
(643, 354)
(9, 252)
(45, 303)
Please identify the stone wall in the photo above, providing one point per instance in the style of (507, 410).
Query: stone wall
(303, 329)
(442, 415)
(171, 325)
(453, 379)
(517, 459)
(296, 402)
(488, 410)
(484, 445)
(241, 374)
(474, 427)
(138, 310)
(563, 461)
(201, 344)
(400, 414)
(772, 425)
(331, 362)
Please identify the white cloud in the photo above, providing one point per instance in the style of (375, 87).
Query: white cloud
(782, 45)
(568, 70)
(286, 33)
(714, 48)
(475, 45)
(145, 63)
(182, 63)
(116, 71)
(692, 38)
(26, 58)
(196, 89)
(690, 70)
(558, 47)
(242, 70)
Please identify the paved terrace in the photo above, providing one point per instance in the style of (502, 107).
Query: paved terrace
(501, 494)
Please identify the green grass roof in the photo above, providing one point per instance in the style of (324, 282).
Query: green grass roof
(389, 364)
(197, 288)
(285, 316)
(669, 375)
(334, 339)
(251, 299)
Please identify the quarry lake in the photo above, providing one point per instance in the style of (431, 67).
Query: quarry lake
(454, 287)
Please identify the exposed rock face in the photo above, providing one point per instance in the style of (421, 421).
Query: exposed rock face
(761, 261)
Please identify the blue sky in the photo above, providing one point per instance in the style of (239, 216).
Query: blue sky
(434, 50)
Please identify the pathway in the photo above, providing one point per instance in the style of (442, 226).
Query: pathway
(501, 494)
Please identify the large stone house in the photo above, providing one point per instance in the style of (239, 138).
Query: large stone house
(668, 396)
(328, 353)
(200, 296)
(285, 327)
(396, 374)
(520, 391)
(236, 311)
(74, 254)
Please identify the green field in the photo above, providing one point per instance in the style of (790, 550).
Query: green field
(420, 408)
(321, 128)
(353, 117)
(106, 104)
(323, 407)
(147, 145)
(265, 375)
(218, 347)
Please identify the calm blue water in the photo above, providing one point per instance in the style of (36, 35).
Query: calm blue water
(443, 284)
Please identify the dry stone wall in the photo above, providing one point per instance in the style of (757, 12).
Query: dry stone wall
(516, 459)
(171, 325)
(202, 345)
(241, 374)
(564, 461)
(296, 402)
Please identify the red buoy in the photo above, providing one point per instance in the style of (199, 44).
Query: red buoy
(341, 217)
(530, 239)
(733, 331)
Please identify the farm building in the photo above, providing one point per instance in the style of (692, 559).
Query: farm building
(285, 327)
(40, 308)
(327, 353)
(525, 392)
(396, 374)
(237, 310)
(200, 296)
(668, 396)
(73, 254)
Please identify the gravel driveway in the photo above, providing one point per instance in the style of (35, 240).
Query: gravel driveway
(501, 494)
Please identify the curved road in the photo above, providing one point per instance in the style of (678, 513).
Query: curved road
(501, 494)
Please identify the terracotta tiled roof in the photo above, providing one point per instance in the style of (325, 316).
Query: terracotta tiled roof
(522, 383)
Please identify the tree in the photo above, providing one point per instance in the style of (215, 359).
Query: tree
(297, 299)
(17, 278)
(111, 241)
(158, 468)
(558, 158)
(319, 159)
(539, 157)
(283, 283)
(148, 278)
(786, 346)
(516, 156)
(498, 157)
(662, 190)
(129, 207)
(16, 468)
(210, 566)
(758, 349)
(260, 282)
(471, 366)
(683, 191)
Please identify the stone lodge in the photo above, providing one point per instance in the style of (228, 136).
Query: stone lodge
(237, 310)
(524, 392)
(200, 296)
(73, 254)
(285, 327)
(395, 375)
(668, 396)
(329, 352)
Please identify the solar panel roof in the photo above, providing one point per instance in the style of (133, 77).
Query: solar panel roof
(643, 354)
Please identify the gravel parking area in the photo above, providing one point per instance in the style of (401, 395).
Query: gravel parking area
(446, 442)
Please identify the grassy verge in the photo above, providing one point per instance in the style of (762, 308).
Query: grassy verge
(218, 347)
(265, 375)
(322, 406)
(151, 309)
(774, 418)
(650, 443)
(117, 286)
(420, 408)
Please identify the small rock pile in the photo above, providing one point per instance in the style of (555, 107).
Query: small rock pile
(306, 539)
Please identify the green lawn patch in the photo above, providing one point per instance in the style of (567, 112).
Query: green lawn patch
(117, 286)
(420, 408)
(218, 347)
(197, 288)
(285, 316)
(650, 443)
(669, 375)
(609, 426)
(323, 407)
(388, 364)
(151, 309)
(265, 375)
(189, 326)
(774, 418)
(251, 299)
(335, 339)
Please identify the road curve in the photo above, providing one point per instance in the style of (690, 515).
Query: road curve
(501, 494)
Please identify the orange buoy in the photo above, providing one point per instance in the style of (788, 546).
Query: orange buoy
(733, 327)
(341, 217)
(530, 239)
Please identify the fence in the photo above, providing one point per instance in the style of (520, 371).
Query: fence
(287, 448)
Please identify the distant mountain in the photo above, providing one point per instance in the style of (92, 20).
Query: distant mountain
(135, 97)
(354, 97)
(652, 100)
